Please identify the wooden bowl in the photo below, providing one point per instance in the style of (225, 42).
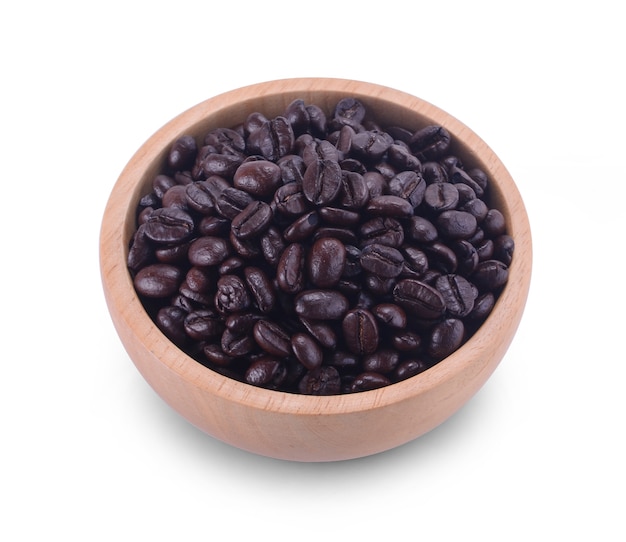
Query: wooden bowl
(291, 426)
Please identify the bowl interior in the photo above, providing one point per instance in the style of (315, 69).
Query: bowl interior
(387, 107)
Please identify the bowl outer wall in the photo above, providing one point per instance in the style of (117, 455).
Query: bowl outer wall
(291, 426)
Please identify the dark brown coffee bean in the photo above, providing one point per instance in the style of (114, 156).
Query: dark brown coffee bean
(272, 245)
(409, 368)
(252, 221)
(445, 338)
(406, 341)
(324, 380)
(302, 228)
(389, 205)
(490, 275)
(441, 196)
(419, 298)
(381, 260)
(272, 338)
(289, 200)
(203, 324)
(353, 193)
(326, 262)
(266, 372)
(171, 321)
(339, 217)
(232, 294)
(321, 332)
(307, 350)
(390, 314)
(453, 224)
(259, 178)
(382, 361)
(321, 305)
(430, 143)
(261, 288)
(494, 223)
(382, 231)
(232, 201)
(458, 293)
(322, 181)
(409, 185)
(168, 225)
(360, 331)
(291, 271)
(208, 250)
(215, 355)
(369, 381)
(236, 344)
(182, 153)
(158, 280)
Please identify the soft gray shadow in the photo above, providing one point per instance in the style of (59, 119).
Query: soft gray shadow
(203, 448)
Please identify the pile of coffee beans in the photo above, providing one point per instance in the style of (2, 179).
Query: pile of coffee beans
(319, 253)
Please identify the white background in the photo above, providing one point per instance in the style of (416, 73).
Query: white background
(89, 452)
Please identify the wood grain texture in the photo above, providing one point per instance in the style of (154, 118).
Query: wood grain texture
(290, 426)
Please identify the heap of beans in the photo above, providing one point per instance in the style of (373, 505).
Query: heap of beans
(319, 254)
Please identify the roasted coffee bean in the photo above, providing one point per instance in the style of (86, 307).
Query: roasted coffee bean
(369, 381)
(266, 372)
(320, 255)
(453, 224)
(168, 225)
(273, 139)
(458, 293)
(419, 298)
(390, 314)
(326, 262)
(252, 221)
(441, 196)
(171, 321)
(322, 181)
(321, 332)
(182, 153)
(430, 142)
(202, 324)
(290, 200)
(490, 275)
(409, 368)
(360, 331)
(445, 338)
(259, 178)
(232, 294)
(321, 304)
(302, 228)
(272, 338)
(382, 231)
(324, 380)
(391, 206)
(338, 216)
(406, 341)
(382, 361)
(409, 185)
(208, 250)
(232, 201)
(272, 245)
(158, 280)
(503, 248)
(307, 350)
(382, 260)
(353, 193)
(261, 288)
(291, 272)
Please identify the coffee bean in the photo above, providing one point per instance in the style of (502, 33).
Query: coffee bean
(252, 221)
(419, 298)
(322, 181)
(390, 314)
(290, 272)
(458, 294)
(208, 250)
(321, 304)
(158, 280)
(272, 338)
(369, 381)
(453, 224)
(445, 338)
(326, 262)
(389, 205)
(232, 294)
(360, 331)
(382, 260)
(259, 178)
(430, 142)
(261, 288)
(168, 225)
(324, 380)
(307, 350)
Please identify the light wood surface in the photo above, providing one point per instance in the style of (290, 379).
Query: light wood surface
(291, 426)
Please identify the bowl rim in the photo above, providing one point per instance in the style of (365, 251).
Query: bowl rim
(117, 283)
